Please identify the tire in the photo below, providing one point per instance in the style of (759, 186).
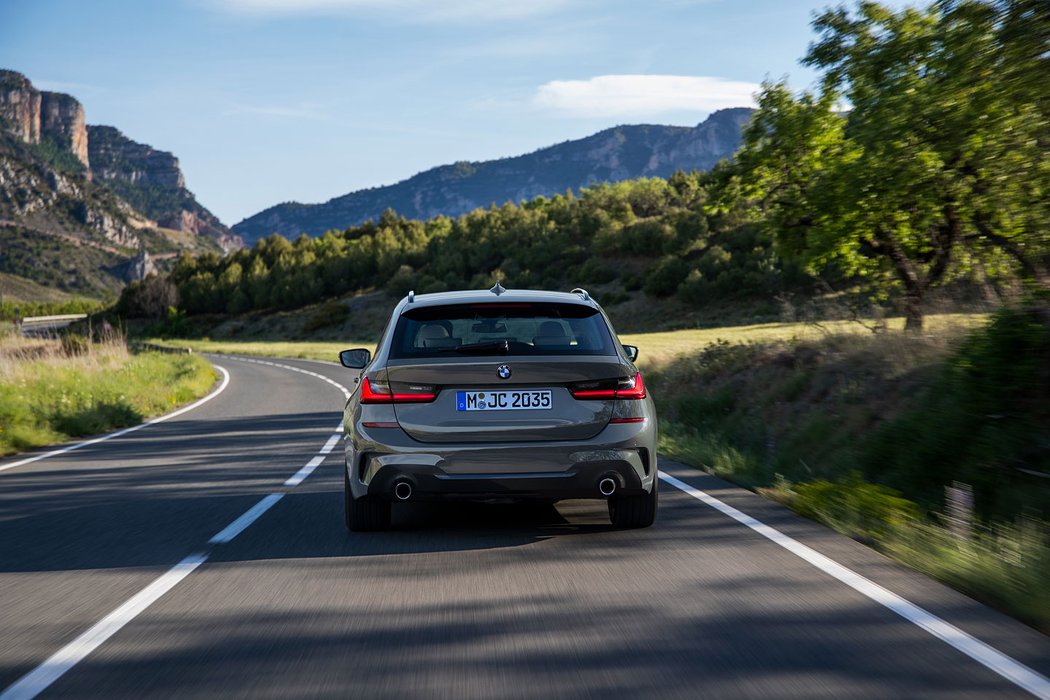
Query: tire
(632, 512)
(362, 514)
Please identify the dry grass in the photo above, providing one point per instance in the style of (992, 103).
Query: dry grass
(328, 351)
(24, 358)
(657, 349)
(54, 390)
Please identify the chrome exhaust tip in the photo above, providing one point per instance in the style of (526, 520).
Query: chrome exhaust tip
(607, 486)
(402, 490)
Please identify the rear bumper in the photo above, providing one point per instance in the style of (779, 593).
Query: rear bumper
(581, 481)
(546, 471)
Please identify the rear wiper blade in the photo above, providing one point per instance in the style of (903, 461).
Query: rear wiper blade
(500, 346)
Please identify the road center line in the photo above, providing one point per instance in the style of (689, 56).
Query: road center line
(337, 385)
(247, 518)
(102, 438)
(984, 654)
(34, 682)
(330, 445)
(300, 476)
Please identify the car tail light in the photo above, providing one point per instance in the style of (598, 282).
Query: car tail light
(637, 419)
(625, 388)
(373, 391)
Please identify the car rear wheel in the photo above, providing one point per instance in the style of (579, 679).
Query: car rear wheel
(362, 514)
(630, 512)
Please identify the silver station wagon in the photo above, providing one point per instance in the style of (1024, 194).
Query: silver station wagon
(499, 394)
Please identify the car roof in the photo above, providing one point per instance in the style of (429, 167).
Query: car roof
(481, 296)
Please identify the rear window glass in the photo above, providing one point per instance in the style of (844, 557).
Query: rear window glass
(501, 329)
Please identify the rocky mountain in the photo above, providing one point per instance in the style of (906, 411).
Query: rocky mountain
(84, 208)
(43, 117)
(620, 153)
(151, 182)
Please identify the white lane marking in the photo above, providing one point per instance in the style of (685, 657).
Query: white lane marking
(102, 438)
(330, 445)
(327, 363)
(300, 476)
(337, 385)
(247, 518)
(34, 682)
(993, 659)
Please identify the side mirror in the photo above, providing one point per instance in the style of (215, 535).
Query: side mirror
(355, 359)
(632, 352)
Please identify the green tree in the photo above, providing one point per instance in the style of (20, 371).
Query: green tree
(940, 163)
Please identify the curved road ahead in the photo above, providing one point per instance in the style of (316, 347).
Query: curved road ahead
(205, 556)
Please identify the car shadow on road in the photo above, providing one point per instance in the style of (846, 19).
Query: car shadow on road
(308, 524)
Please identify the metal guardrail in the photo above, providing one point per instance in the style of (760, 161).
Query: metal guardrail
(46, 325)
(51, 319)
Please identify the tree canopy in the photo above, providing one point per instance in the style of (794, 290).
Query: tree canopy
(922, 157)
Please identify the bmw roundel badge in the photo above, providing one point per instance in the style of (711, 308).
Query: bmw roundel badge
(503, 371)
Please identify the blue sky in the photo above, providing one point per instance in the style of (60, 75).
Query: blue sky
(265, 101)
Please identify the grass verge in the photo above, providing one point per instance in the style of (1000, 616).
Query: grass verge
(864, 434)
(322, 350)
(52, 391)
(657, 349)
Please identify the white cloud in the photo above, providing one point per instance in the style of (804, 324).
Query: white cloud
(408, 10)
(642, 95)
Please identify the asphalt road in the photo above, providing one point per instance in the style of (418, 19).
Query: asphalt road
(121, 576)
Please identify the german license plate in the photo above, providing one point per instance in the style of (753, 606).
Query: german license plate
(514, 400)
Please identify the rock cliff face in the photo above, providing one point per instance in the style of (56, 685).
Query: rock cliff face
(34, 116)
(151, 181)
(116, 157)
(67, 204)
(62, 227)
(621, 153)
(62, 119)
(20, 106)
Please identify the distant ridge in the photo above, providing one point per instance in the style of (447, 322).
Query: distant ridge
(615, 154)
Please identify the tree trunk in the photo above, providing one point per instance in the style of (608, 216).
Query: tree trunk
(914, 286)
(913, 315)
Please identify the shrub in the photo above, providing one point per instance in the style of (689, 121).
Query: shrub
(664, 277)
(649, 237)
(631, 282)
(75, 344)
(867, 512)
(330, 313)
(595, 272)
(148, 298)
(403, 281)
(982, 422)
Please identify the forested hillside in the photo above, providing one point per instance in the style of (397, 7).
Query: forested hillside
(651, 236)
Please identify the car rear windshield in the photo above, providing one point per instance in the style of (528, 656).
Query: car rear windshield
(501, 329)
